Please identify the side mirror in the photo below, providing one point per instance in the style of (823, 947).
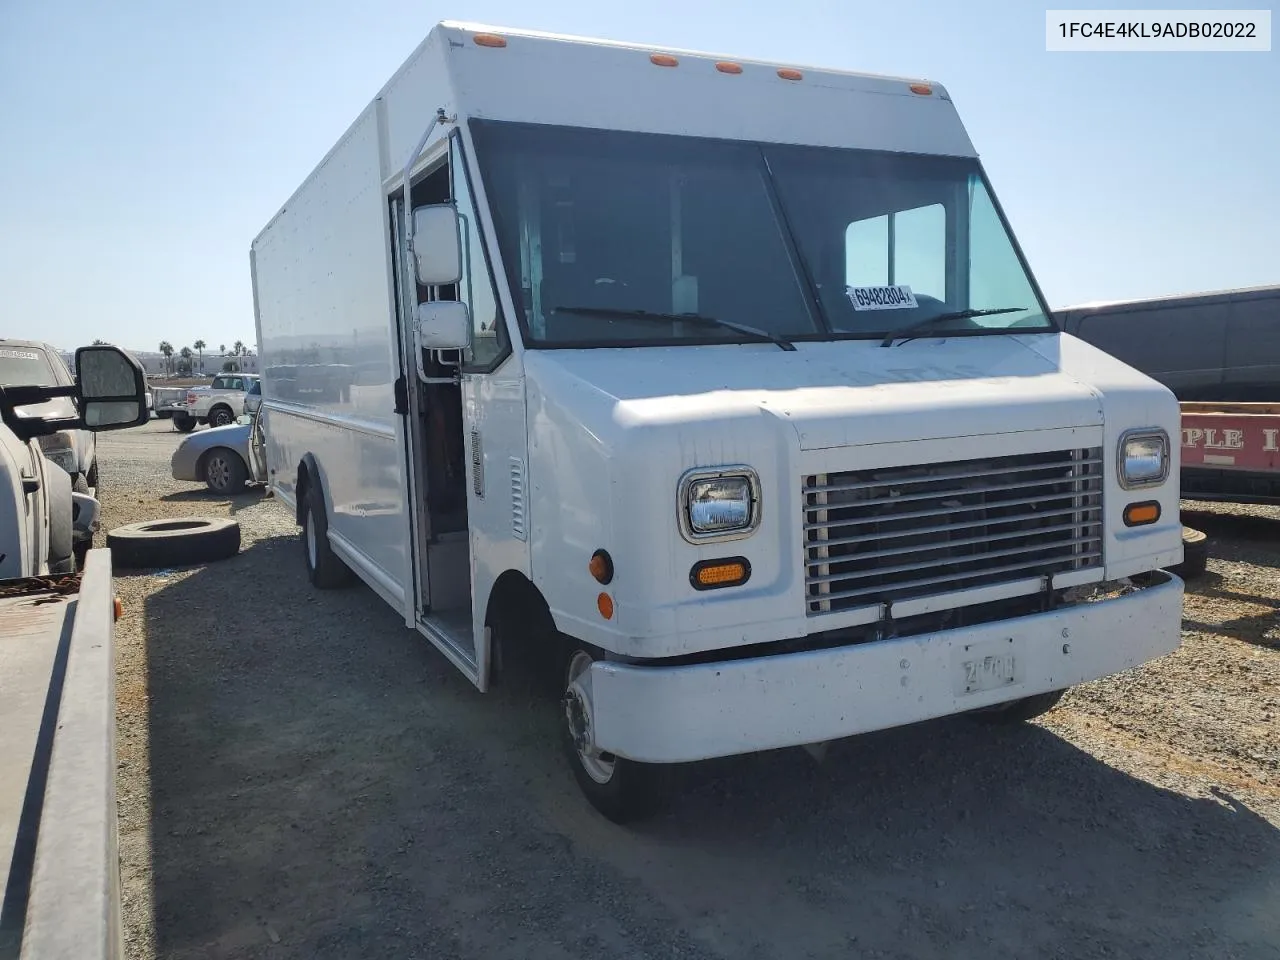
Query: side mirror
(111, 387)
(441, 325)
(436, 242)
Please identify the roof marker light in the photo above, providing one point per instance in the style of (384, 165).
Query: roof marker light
(786, 73)
(921, 88)
(663, 60)
(489, 40)
(725, 66)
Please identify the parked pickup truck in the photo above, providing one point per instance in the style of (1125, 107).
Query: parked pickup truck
(166, 401)
(31, 363)
(219, 404)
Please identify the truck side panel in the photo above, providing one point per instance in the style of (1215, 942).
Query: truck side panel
(328, 358)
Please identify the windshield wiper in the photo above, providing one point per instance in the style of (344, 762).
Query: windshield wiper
(694, 318)
(943, 318)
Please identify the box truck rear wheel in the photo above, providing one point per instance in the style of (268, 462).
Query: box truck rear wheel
(325, 568)
(622, 790)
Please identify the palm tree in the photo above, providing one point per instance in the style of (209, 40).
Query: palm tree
(222, 350)
(99, 343)
(185, 365)
(166, 348)
(238, 349)
(200, 345)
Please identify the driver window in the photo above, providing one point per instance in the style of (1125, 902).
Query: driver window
(477, 290)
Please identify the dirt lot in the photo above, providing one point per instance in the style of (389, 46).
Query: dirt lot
(301, 777)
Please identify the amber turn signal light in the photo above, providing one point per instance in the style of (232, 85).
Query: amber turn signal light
(1141, 514)
(601, 566)
(711, 574)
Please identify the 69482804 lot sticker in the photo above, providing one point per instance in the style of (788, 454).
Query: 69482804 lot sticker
(891, 297)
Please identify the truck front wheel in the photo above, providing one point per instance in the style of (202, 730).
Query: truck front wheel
(184, 423)
(622, 790)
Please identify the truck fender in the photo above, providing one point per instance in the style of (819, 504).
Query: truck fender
(309, 473)
(57, 498)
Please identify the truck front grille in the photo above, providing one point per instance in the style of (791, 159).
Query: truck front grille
(883, 535)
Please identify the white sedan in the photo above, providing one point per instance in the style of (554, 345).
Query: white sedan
(226, 459)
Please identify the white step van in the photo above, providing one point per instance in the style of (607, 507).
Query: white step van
(721, 385)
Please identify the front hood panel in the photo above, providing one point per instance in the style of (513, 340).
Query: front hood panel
(842, 393)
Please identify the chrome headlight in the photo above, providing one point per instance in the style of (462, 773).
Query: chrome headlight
(719, 504)
(1143, 458)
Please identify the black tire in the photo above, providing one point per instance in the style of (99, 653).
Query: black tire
(224, 472)
(174, 543)
(325, 568)
(622, 790)
(81, 551)
(184, 424)
(91, 477)
(1195, 554)
(1020, 711)
(221, 416)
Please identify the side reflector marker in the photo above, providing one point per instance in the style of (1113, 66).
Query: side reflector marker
(921, 88)
(725, 66)
(786, 73)
(489, 40)
(663, 60)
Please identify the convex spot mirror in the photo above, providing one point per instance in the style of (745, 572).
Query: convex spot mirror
(111, 387)
(443, 325)
(436, 241)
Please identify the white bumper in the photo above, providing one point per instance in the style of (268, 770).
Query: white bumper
(687, 713)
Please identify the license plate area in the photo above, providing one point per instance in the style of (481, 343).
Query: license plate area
(994, 664)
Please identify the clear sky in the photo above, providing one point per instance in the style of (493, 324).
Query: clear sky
(144, 143)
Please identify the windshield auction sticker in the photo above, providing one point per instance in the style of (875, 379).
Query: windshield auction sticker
(881, 298)
(18, 355)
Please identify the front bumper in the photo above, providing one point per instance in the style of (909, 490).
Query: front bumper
(678, 714)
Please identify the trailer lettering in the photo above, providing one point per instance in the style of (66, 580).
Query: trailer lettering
(1231, 440)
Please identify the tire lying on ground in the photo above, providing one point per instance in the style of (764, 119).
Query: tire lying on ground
(1195, 554)
(174, 543)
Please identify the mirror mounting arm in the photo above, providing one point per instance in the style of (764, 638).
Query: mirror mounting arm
(438, 120)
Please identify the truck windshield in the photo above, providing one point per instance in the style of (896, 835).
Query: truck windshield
(25, 367)
(802, 243)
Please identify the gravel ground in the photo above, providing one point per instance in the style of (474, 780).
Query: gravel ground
(301, 777)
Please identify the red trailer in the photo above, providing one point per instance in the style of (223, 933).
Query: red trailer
(1231, 451)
